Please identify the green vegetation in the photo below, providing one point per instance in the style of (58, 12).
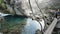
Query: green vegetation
(3, 7)
(1, 1)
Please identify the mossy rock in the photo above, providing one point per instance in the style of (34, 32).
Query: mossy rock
(3, 5)
(38, 31)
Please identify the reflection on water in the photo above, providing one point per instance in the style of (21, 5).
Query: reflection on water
(20, 24)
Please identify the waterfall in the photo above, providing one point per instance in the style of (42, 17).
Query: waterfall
(2, 14)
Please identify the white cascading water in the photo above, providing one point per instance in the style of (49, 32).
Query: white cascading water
(2, 14)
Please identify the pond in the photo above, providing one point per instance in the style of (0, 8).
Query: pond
(20, 23)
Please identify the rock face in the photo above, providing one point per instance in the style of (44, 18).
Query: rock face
(28, 7)
(23, 7)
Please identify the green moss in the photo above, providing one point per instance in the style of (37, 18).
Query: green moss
(1, 1)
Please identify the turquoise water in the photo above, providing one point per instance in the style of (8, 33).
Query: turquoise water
(14, 19)
(12, 22)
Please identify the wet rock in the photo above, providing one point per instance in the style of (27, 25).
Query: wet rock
(38, 31)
